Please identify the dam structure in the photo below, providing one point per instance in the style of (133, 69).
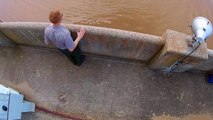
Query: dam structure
(122, 78)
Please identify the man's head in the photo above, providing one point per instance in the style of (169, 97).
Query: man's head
(55, 16)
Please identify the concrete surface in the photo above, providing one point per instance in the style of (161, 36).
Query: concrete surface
(206, 65)
(102, 88)
(97, 40)
(39, 116)
(112, 43)
(176, 47)
(5, 41)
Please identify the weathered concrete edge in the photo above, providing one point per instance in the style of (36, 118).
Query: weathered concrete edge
(210, 52)
(151, 44)
(5, 41)
(75, 27)
(206, 65)
(132, 45)
(175, 48)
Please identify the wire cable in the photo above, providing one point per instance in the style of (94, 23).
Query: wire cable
(178, 62)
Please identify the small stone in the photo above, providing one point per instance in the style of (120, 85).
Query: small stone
(62, 98)
(153, 114)
(120, 113)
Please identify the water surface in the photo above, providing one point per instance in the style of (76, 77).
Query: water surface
(146, 16)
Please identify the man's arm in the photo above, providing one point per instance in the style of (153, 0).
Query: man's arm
(78, 39)
(46, 40)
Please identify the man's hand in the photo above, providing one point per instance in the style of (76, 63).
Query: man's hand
(81, 33)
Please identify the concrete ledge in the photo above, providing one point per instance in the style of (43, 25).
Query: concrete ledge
(5, 42)
(206, 65)
(109, 42)
(97, 40)
(175, 48)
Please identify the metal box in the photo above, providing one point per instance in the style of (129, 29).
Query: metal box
(12, 104)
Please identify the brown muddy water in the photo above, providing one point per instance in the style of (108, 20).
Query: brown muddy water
(146, 16)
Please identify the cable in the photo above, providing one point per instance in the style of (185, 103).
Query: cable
(191, 52)
(178, 62)
(60, 114)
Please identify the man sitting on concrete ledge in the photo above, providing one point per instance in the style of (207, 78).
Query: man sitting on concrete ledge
(60, 36)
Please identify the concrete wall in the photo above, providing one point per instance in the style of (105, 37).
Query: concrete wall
(207, 65)
(175, 49)
(97, 40)
(5, 41)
